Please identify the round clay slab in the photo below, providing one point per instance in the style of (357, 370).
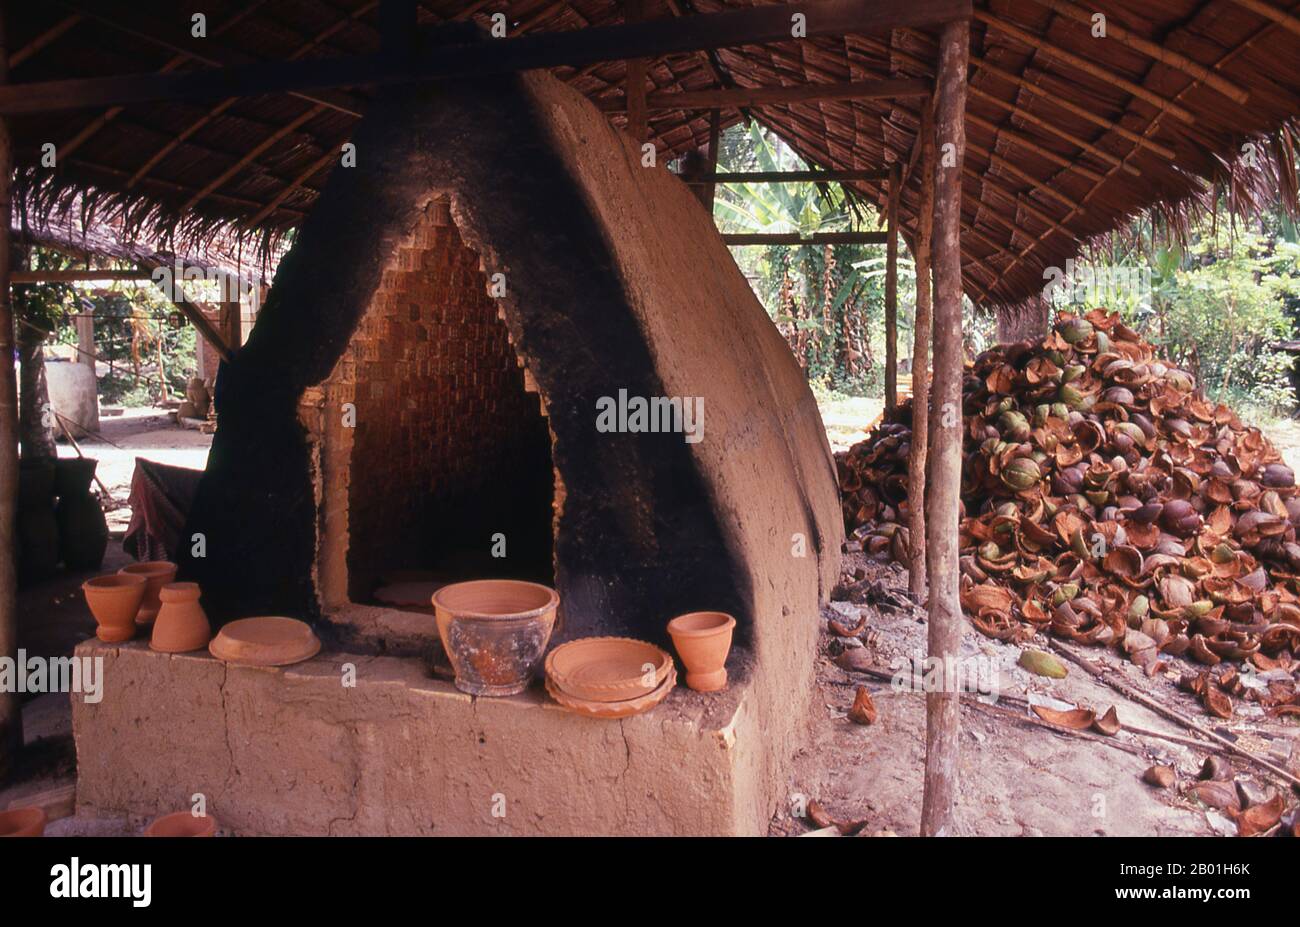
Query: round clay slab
(624, 709)
(268, 641)
(607, 669)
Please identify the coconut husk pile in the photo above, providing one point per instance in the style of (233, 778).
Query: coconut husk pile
(1108, 503)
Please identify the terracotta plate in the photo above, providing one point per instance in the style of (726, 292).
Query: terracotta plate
(265, 642)
(607, 669)
(624, 709)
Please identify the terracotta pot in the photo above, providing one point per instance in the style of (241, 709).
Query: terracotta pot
(183, 824)
(22, 822)
(181, 625)
(703, 640)
(495, 632)
(158, 573)
(114, 600)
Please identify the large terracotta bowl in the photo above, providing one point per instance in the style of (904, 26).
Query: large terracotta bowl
(495, 632)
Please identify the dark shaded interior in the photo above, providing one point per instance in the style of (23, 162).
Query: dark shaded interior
(447, 465)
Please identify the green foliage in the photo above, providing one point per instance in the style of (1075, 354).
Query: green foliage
(1221, 308)
(44, 305)
(131, 324)
(819, 296)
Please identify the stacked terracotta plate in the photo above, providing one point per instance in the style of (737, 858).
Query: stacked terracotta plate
(609, 677)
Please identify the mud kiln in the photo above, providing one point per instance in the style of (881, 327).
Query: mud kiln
(424, 381)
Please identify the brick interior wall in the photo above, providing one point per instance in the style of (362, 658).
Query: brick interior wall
(449, 447)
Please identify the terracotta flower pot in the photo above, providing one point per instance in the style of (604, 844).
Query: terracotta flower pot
(22, 822)
(703, 640)
(183, 824)
(495, 632)
(114, 600)
(181, 625)
(158, 573)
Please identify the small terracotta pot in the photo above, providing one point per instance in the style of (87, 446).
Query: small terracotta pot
(702, 640)
(183, 824)
(114, 600)
(158, 573)
(181, 625)
(495, 632)
(22, 822)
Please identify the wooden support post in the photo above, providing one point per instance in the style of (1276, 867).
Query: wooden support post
(637, 117)
(943, 707)
(11, 712)
(707, 191)
(893, 192)
(921, 363)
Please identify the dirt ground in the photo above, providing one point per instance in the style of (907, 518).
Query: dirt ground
(1017, 777)
(124, 435)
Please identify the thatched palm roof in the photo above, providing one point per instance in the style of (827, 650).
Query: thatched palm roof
(1069, 135)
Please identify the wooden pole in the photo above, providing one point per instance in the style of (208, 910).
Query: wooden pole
(893, 192)
(943, 707)
(921, 364)
(634, 90)
(11, 716)
(707, 191)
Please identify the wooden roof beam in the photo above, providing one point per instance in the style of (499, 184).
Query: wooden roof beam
(740, 97)
(1286, 20)
(1083, 64)
(44, 39)
(749, 26)
(91, 128)
(1065, 164)
(1080, 143)
(1032, 118)
(788, 177)
(251, 155)
(816, 238)
(1152, 50)
(126, 18)
(1057, 99)
(1028, 178)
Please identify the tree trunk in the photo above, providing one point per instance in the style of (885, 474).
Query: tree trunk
(11, 716)
(1024, 322)
(921, 365)
(35, 427)
(891, 290)
(943, 707)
